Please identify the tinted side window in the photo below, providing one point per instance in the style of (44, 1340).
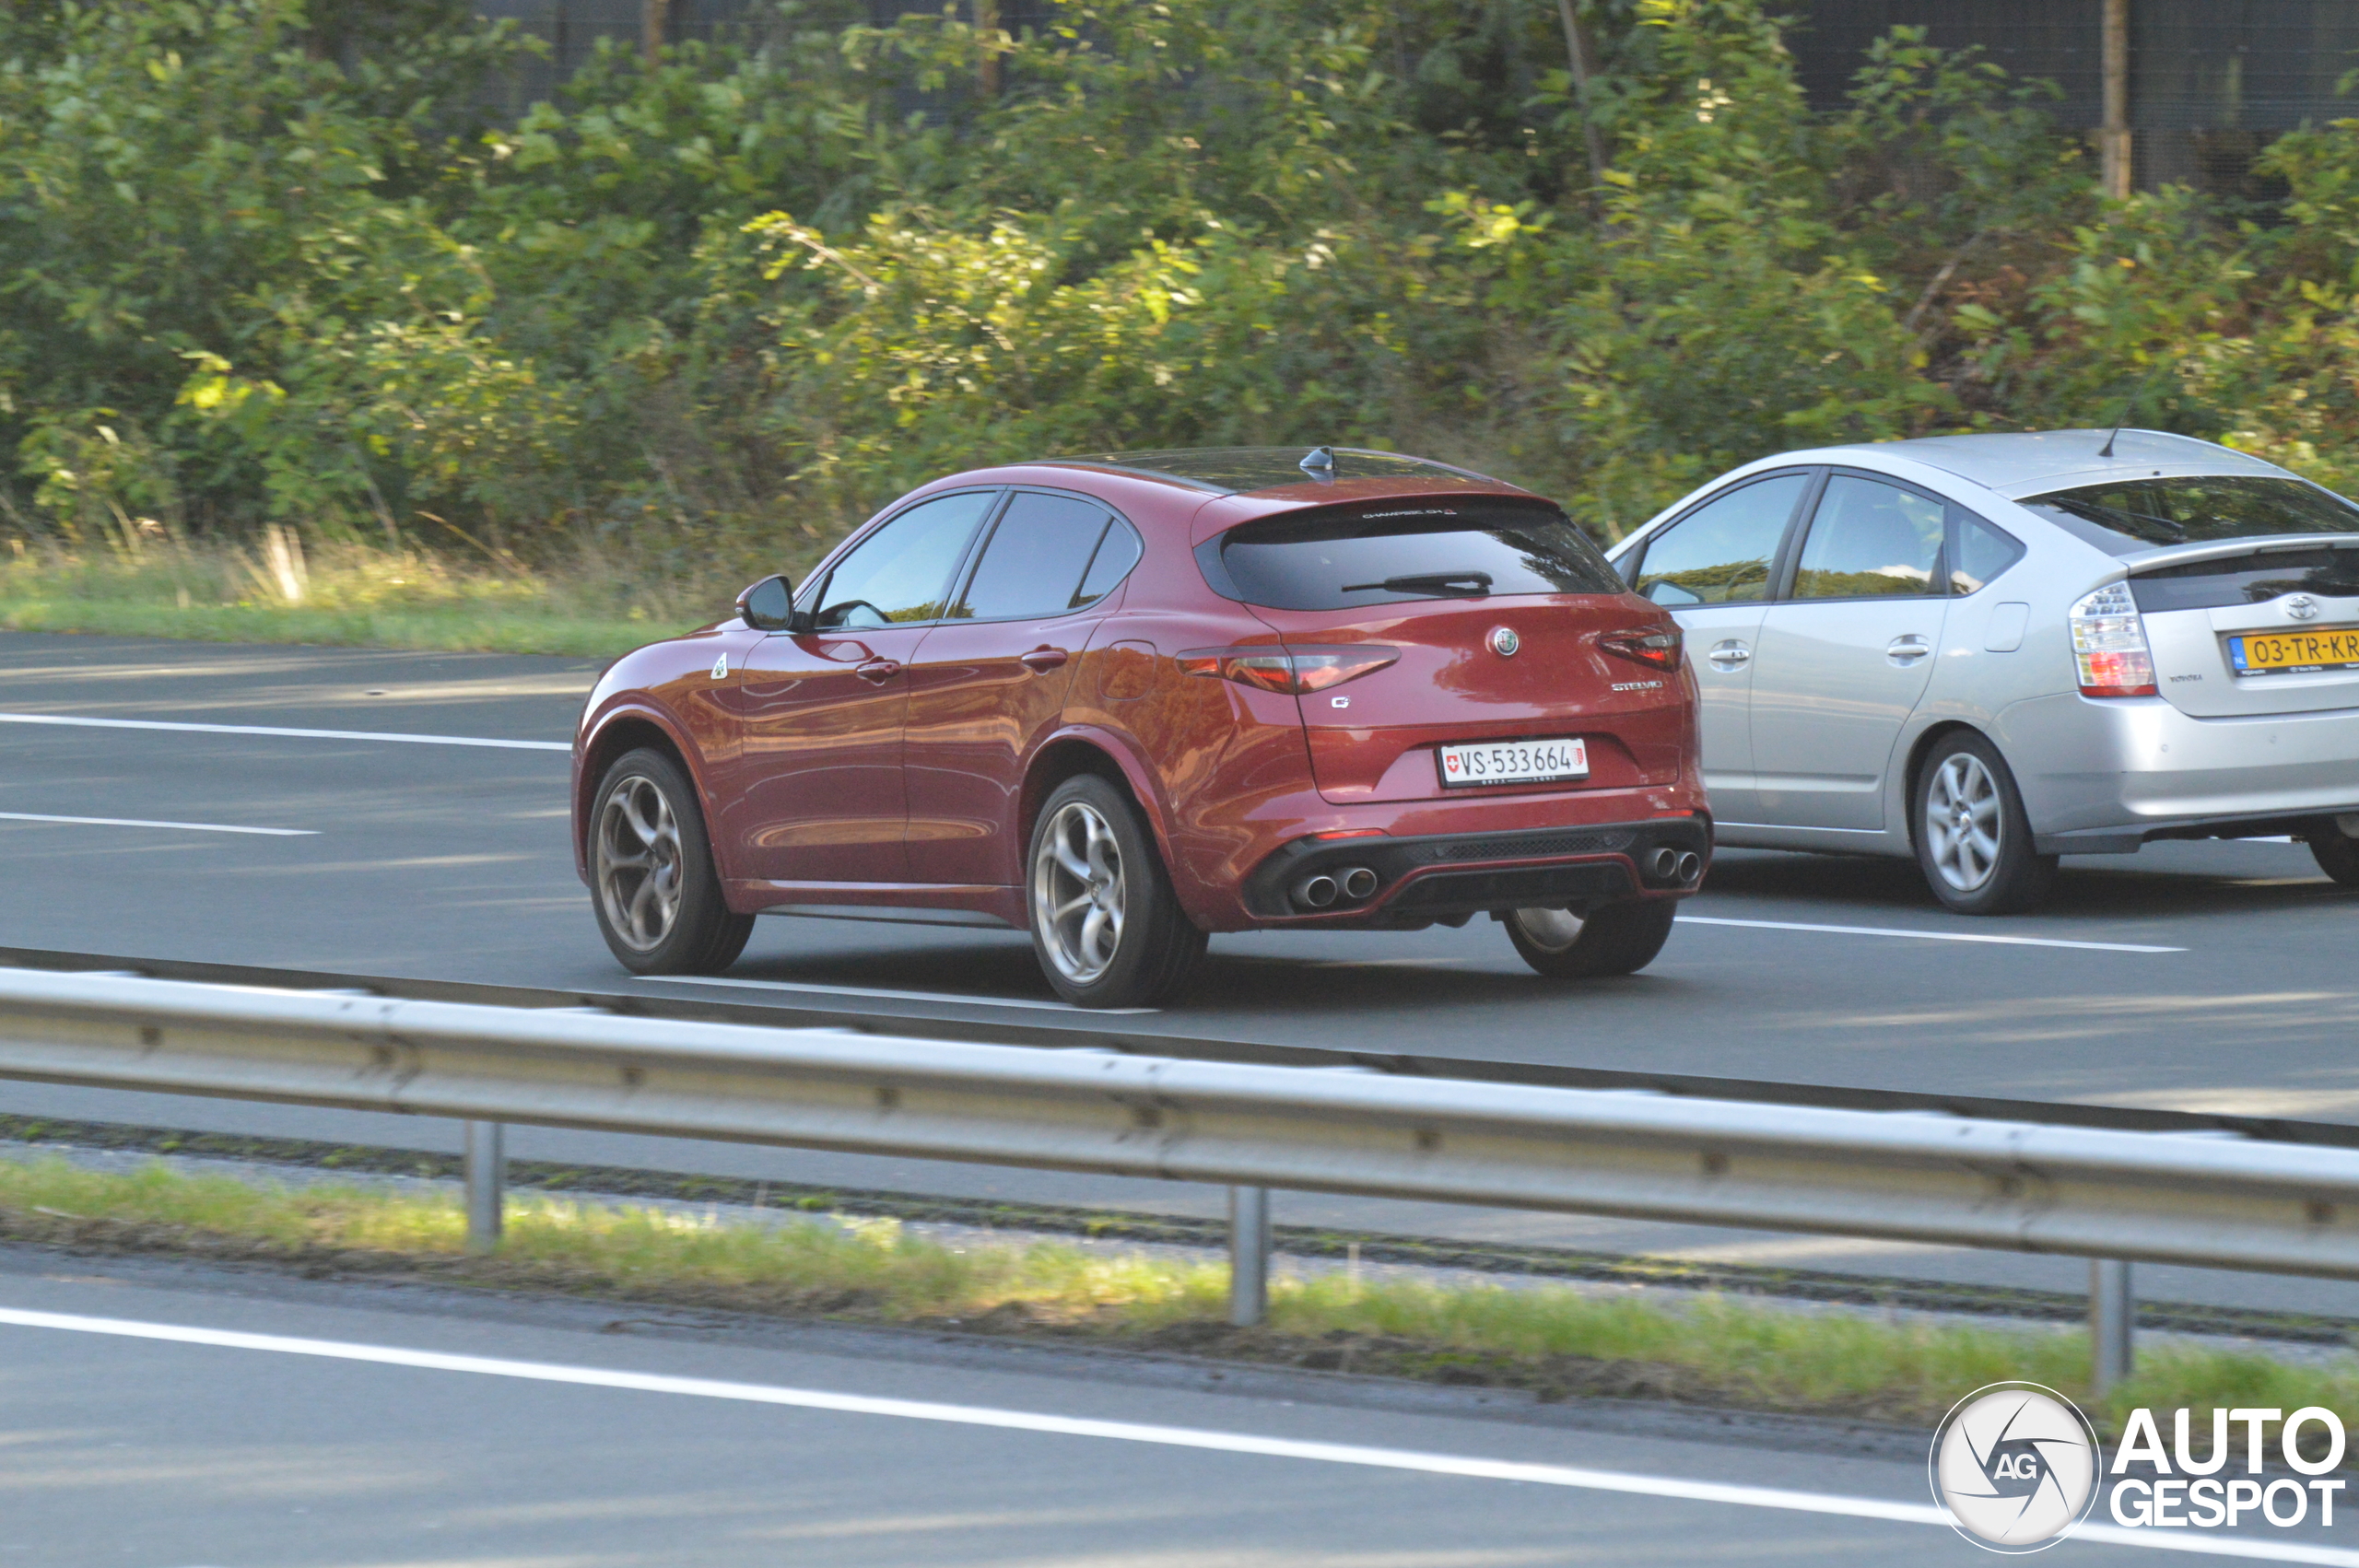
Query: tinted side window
(1721, 552)
(1869, 540)
(1979, 553)
(1035, 561)
(1117, 553)
(901, 572)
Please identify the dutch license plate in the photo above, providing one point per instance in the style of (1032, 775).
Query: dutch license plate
(2295, 653)
(1513, 762)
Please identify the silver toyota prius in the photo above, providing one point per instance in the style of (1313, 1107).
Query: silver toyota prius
(1987, 652)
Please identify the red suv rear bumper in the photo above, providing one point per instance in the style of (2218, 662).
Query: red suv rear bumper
(1446, 875)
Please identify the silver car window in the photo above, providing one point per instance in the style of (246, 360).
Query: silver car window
(899, 573)
(1721, 552)
(1869, 540)
(1979, 553)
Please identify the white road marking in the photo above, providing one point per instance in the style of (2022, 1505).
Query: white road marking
(895, 996)
(277, 731)
(1355, 1453)
(1930, 936)
(184, 826)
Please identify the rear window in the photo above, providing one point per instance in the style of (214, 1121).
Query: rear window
(1390, 553)
(2135, 515)
(2250, 579)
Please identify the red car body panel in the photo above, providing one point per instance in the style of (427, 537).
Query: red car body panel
(901, 766)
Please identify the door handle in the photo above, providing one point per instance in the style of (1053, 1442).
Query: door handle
(1042, 659)
(876, 672)
(1728, 656)
(1908, 649)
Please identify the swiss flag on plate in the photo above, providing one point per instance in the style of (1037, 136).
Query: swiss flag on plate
(1450, 763)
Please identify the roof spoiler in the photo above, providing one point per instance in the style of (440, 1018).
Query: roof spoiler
(2229, 549)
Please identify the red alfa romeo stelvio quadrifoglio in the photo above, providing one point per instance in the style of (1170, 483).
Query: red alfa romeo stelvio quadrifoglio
(1125, 701)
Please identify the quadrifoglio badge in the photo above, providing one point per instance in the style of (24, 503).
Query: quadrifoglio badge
(2017, 1467)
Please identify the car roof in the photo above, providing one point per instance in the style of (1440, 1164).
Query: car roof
(1252, 471)
(2032, 463)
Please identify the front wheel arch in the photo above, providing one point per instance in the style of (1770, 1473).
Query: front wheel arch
(629, 730)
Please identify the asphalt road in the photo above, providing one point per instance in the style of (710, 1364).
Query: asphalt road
(162, 1417)
(451, 860)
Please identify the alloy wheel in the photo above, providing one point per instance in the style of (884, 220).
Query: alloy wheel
(1079, 896)
(639, 863)
(1963, 821)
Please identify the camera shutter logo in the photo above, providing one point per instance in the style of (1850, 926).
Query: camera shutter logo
(2016, 1466)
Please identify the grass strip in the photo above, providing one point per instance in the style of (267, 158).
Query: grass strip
(348, 595)
(1173, 1230)
(1553, 1340)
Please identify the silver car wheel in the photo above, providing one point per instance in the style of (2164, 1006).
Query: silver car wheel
(1079, 896)
(1551, 931)
(1963, 822)
(638, 869)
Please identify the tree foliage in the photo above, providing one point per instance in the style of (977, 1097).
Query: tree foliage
(275, 261)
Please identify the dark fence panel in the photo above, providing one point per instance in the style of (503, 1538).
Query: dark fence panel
(2211, 82)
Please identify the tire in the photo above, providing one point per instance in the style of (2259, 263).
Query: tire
(2337, 852)
(1092, 867)
(1974, 840)
(652, 877)
(1620, 938)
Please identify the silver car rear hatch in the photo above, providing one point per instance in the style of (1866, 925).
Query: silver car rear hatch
(2252, 627)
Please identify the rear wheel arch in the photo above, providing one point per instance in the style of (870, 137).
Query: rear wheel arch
(1070, 754)
(1919, 752)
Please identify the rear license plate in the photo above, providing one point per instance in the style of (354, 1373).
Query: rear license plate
(2295, 653)
(1513, 762)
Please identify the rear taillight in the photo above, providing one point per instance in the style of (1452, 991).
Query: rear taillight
(2109, 645)
(1294, 670)
(1655, 646)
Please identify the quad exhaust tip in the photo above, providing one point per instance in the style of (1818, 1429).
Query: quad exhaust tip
(1351, 884)
(1668, 864)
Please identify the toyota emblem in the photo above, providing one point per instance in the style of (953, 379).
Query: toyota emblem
(1504, 642)
(2302, 607)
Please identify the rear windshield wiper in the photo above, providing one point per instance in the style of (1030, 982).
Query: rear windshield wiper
(1474, 584)
(2102, 515)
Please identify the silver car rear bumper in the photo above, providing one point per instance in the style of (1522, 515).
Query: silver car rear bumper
(2105, 776)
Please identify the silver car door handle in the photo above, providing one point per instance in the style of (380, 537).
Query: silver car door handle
(1729, 655)
(1908, 649)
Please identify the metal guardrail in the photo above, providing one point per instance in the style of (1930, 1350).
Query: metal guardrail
(791, 1008)
(2202, 1199)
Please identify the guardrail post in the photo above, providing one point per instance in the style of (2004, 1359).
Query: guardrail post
(2113, 1320)
(1249, 1256)
(487, 1171)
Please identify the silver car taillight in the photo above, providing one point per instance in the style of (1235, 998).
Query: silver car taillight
(2109, 645)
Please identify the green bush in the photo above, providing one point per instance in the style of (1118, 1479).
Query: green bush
(273, 263)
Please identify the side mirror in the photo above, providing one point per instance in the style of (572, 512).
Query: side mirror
(768, 605)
